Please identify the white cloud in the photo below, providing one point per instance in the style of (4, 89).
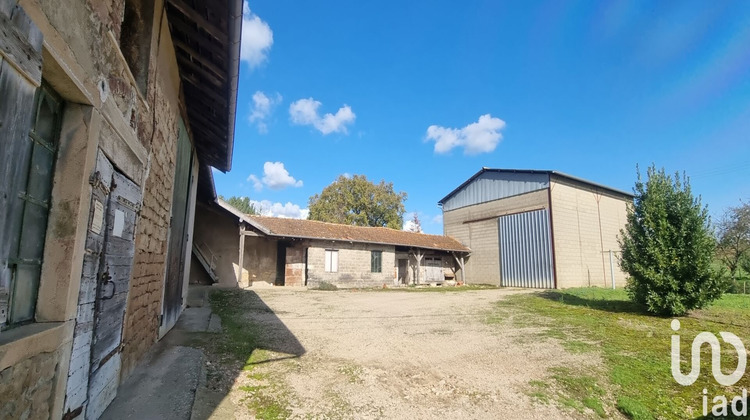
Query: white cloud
(262, 107)
(257, 38)
(438, 220)
(305, 112)
(479, 137)
(288, 210)
(275, 177)
(256, 182)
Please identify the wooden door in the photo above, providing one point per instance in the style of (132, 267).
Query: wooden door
(113, 221)
(178, 239)
(403, 271)
(433, 270)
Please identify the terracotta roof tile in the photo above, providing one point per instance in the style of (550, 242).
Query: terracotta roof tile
(311, 229)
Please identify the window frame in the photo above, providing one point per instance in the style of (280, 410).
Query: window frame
(331, 264)
(50, 143)
(376, 261)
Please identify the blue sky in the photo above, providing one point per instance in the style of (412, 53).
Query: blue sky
(423, 94)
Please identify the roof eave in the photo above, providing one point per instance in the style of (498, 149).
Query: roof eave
(532, 171)
(235, 37)
(359, 241)
(242, 217)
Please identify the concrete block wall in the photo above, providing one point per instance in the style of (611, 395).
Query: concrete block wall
(586, 222)
(477, 227)
(354, 265)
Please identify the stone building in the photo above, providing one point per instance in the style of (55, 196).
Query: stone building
(538, 229)
(109, 110)
(292, 252)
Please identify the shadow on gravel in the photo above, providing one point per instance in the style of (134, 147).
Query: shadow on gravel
(252, 334)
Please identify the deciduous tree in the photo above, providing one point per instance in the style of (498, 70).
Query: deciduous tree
(242, 204)
(357, 201)
(734, 237)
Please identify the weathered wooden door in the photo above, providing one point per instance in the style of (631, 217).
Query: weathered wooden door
(433, 270)
(403, 271)
(178, 232)
(115, 206)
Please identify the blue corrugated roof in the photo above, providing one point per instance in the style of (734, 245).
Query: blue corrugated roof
(532, 171)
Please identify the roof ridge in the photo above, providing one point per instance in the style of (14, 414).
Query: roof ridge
(354, 226)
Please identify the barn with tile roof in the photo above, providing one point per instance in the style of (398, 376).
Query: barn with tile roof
(292, 252)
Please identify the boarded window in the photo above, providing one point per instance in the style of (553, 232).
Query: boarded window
(29, 208)
(332, 261)
(376, 261)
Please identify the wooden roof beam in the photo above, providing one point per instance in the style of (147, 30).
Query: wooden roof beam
(200, 20)
(218, 82)
(186, 32)
(201, 59)
(201, 89)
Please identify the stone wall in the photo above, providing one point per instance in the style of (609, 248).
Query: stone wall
(477, 227)
(144, 303)
(354, 265)
(137, 130)
(26, 389)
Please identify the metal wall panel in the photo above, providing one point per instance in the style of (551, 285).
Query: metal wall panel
(526, 250)
(493, 185)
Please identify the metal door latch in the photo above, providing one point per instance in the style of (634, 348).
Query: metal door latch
(106, 280)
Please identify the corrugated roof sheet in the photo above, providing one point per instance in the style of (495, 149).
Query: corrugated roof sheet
(311, 229)
(533, 171)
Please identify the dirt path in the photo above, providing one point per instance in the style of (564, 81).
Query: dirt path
(394, 355)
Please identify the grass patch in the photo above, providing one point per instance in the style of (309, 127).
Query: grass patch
(582, 391)
(239, 344)
(266, 407)
(636, 348)
(353, 373)
(239, 339)
(570, 389)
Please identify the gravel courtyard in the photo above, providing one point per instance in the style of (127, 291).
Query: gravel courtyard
(392, 354)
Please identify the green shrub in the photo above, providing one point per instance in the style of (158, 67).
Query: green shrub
(324, 285)
(668, 247)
